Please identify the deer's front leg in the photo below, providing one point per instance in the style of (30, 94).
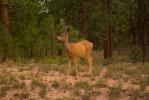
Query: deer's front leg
(90, 60)
(69, 66)
(76, 68)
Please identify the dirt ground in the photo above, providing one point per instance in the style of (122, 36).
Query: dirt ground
(120, 81)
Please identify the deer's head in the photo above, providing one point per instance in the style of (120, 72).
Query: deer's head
(63, 37)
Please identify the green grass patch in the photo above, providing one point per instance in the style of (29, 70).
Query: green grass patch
(56, 84)
(60, 85)
(3, 90)
(101, 82)
(54, 60)
(66, 98)
(82, 85)
(115, 70)
(115, 92)
(45, 68)
(39, 84)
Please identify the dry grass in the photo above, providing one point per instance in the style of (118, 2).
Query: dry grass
(112, 80)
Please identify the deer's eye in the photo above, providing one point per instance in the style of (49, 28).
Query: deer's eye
(62, 35)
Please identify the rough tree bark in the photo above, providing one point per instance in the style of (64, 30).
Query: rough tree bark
(82, 20)
(4, 15)
(143, 29)
(132, 31)
(145, 43)
(5, 24)
(52, 45)
(108, 41)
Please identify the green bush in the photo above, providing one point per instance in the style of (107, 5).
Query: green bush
(136, 54)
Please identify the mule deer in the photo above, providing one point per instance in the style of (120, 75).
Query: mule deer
(81, 49)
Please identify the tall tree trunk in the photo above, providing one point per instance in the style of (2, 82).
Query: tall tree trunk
(82, 20)
(31, 51)
(108, 41)
(134, 38)
(4, 15)
(145, 43)
(52, 45)
(132, 31)
(143, 28)
(46, 51)
(5, 24)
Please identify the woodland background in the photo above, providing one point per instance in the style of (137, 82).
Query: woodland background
(33, 64)
(28, 27)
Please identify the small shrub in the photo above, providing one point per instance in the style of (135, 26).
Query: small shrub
(18, 85)
(115, 70)
(56, 84)
(96, 69)
(22, 76)
(136, 54)
(131, 72)
(45, 68)
(24, 95)
(65, 85)
(10, 81)
(135, 95)
(59, 68)
(33, 97)
(41, 85)
(115, 92)
(60, 85)
(21, 95)
(37, 83)
(7, 79)
(101, 82)
(43, 91)
(66, 98)
(3, 90)
(82, 85)
(143, 83)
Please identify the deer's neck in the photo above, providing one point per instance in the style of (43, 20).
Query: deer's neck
(67, 45)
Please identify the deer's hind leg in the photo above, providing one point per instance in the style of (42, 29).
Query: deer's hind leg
(69, 67)
(76, 67)
(90, 61)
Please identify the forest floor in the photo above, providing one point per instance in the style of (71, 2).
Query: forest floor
(37, 81)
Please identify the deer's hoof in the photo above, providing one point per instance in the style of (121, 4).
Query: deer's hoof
(77, 78)
(90, 74)
(67, 77)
